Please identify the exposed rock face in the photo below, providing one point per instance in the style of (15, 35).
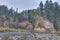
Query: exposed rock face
(23, 23)
(42, 25)
(40, 30)
(6, 23)
(26, 25)
(47, 26)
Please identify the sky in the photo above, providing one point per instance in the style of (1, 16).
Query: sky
(23, 4)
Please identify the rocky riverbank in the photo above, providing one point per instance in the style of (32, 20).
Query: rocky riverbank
(27, 36)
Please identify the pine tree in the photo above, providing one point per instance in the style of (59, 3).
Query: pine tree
(46, 7)
(41, 8)
(51, 10)
(11, 12)
(15, 14)
(56, 14)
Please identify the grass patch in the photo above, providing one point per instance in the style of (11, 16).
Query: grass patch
(7, 29)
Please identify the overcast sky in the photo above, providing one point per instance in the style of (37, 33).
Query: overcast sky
(23, 4)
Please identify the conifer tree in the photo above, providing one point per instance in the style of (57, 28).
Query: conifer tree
(41, 8)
